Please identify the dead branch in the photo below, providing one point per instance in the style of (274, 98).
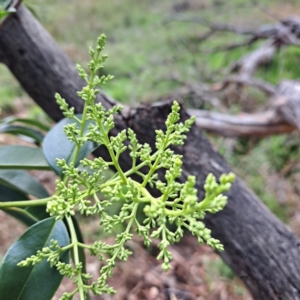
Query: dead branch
(262, 85)
(287, 102)
(283, 115)
(258, 125)
(232, 46)
(285, 31)
(285, 108)
(249, 63)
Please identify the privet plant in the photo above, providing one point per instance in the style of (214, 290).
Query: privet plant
(84, 187)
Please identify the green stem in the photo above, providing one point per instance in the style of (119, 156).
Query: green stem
(157, 161)
(74, 292)
(25, 203)
(83, 121)
(111, 152)
(133, 214)
(178, 213)
(135, 169)
(132, 218)
(69, 219)
(84, 245)
(67, 247)
(166, 194)
(74, 241)
(116, 179)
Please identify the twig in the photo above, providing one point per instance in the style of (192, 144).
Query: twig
(262, 85)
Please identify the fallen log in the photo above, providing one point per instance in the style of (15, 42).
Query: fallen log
(258, 247)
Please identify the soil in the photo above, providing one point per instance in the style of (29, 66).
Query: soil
(141, 277)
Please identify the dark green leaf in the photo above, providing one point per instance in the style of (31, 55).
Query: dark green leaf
(23, 182)
(22, 131)
(28, 216)
(32, 122)
(22, 215)
(56, 145)
(38, 212)
(33, 282)
(8, 194)
(22, 157)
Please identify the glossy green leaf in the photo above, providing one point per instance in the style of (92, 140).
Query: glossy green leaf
(22, 157)
(28, 216)
(38, 212)
(33, 282)
(21, 215)
(56, 145)
(31, 122)
(8, 194)
(15, 185)
(22, 181)
(23, 132)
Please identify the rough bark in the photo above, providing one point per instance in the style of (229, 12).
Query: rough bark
(258, 247)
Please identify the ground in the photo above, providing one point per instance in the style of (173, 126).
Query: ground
(197, 272)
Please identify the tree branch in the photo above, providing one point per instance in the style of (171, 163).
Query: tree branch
(256, 125)
(262, 85)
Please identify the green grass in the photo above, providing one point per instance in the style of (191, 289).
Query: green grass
(256, 161)
(216, 269)
(147, 45)
(286, 65)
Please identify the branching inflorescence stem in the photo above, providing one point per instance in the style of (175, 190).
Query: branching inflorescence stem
(178, 202)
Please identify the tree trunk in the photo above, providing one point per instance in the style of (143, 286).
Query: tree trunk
(258, 247)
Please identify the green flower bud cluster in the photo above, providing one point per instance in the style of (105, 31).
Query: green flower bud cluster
(80, 188)
(51, 253)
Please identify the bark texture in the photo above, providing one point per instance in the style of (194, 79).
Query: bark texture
(258, 247)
